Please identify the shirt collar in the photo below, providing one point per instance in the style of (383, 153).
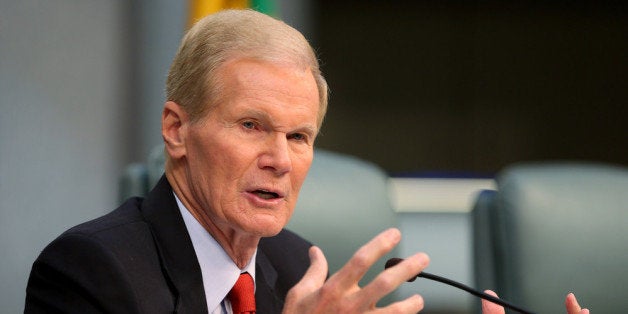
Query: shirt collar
(219, 271)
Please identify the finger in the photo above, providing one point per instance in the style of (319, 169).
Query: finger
(365, 257)
(316, 274)
(301, 295)
(489, 307)
(391, 278)
(571, 303)
(413, 304)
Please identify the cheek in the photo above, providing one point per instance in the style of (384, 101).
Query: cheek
(208, 170)
(222, 160)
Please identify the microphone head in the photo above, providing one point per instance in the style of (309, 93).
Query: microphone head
(394, 261)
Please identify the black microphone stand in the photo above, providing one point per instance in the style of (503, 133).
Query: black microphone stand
(394, 261)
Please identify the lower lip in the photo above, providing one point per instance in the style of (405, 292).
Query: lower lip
(264, 203)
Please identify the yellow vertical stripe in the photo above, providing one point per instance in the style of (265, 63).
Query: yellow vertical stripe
(200, 8)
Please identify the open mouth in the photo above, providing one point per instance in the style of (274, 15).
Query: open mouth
(267, 195)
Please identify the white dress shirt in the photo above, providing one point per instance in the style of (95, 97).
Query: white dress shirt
(219, 271)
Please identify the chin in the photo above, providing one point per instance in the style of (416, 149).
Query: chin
(263, 232)
(267, 226)
(268, 233)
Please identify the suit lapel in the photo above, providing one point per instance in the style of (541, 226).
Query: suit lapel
(266, 298)
(178, 259)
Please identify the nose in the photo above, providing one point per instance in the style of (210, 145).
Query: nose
(276, 154)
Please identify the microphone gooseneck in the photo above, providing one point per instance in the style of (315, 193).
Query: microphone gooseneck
(395, 260)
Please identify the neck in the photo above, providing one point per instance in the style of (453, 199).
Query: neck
(239, 245)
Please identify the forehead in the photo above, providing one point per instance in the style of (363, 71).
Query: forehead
(250, 73)
(258, 83)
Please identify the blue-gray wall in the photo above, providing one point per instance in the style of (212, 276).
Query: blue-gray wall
(68, 122)
(81, 92)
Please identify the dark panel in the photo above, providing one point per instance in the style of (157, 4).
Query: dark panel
(473, 86)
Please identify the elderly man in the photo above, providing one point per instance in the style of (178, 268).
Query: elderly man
(245, 101)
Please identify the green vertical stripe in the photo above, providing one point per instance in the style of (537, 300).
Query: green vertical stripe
(268, 7)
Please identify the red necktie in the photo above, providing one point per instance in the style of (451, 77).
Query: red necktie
(242, 295)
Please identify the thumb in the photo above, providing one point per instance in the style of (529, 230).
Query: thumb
(489, 307)
(303, 293)
(318, 271)
(315, 275)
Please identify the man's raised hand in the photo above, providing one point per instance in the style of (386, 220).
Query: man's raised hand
(341, 292)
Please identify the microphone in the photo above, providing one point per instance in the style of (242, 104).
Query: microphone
(395, 260)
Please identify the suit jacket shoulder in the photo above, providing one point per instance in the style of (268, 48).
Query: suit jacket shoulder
(136, 259)
(110, 258)
(140, 259)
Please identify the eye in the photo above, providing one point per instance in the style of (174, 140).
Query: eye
(297, 136)
(249, 125)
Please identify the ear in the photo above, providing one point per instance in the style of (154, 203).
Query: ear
(174, 125)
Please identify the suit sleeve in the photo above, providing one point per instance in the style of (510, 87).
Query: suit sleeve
(76, 274)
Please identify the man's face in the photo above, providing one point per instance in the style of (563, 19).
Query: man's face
(247, 159)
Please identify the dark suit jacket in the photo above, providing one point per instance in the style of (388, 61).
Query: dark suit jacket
(140, 259)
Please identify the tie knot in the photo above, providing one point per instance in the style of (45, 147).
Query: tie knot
(242, 295)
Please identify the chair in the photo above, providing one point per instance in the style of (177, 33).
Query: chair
(343, 203)
(138, 178)
(554, 228)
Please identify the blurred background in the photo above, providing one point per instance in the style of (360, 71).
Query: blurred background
(420, 88)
